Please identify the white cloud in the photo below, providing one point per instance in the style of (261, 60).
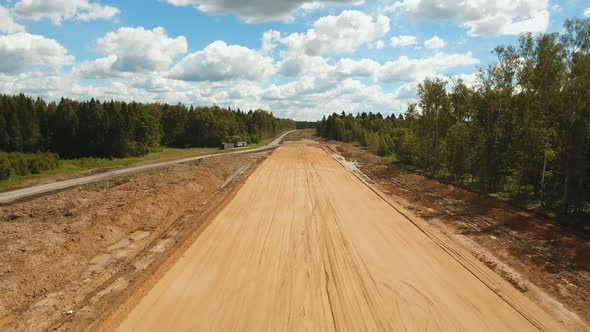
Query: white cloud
(311, 6)
(306, 87)
(468, 79)
(219, 62)
(587, 12)
(483, 17)
(52, 86)
(310, 98)
(58, 10)
(407, 92)
(94, 11)
(353, 68)
(7, 23)
(405, 69)
(140, 50)
(338, 34)
(269, 39)
(22, 50)
(300, 64)
(38, 83)
(306, 99)
(99, 68)
(402, 40)
(155, 83)
(435, 42)
(256, 11)
(144, 65)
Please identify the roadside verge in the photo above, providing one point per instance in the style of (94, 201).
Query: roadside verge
(19, 194)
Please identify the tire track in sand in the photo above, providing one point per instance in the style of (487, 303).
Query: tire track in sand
(305, 245)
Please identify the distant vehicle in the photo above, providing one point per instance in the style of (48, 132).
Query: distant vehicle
(226, 145)
(229, 145)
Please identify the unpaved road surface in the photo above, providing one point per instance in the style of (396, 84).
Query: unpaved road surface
(85, 248)
(548, 261)
(13, 195)
(306, 245)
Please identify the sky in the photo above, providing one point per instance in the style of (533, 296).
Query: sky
(297, 58)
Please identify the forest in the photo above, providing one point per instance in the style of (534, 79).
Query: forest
(34, 134)
(522, 130)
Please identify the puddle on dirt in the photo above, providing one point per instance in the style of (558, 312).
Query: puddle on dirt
(351, 166)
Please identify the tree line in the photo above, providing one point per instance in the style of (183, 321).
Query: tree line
(113, 129)
(306, 124)
(522, 129)
(92, 128)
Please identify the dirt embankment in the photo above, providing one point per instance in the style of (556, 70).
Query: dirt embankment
(63, 254)
(536, 254)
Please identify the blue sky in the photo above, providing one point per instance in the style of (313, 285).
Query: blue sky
(297, 58)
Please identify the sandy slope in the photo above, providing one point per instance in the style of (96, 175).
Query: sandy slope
(305, 245)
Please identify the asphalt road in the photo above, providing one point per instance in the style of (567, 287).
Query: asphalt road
(9, 196)
(305, 245)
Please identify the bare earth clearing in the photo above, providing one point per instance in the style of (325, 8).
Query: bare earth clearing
(84, 248)
(300, 240)
(306, 245)
(546, 261)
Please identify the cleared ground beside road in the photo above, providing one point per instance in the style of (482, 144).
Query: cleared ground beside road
(13, 195)
(305, 245)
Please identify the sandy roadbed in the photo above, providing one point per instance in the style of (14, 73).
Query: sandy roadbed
(69, 257)
(306, 245)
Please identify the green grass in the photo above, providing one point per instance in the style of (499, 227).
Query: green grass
(392, 158)
(72, 166)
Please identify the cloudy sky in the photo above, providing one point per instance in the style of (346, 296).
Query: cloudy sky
(297, 58)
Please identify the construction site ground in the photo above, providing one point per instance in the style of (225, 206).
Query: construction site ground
(316, 235)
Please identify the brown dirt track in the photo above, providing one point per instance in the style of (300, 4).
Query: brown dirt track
(307, 245)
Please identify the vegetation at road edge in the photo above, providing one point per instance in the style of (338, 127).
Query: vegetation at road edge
(35, 135)
(522, 130)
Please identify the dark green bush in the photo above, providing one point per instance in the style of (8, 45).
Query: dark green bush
(5, 169)
(16, 163)
(19, 163)
(134, 149)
